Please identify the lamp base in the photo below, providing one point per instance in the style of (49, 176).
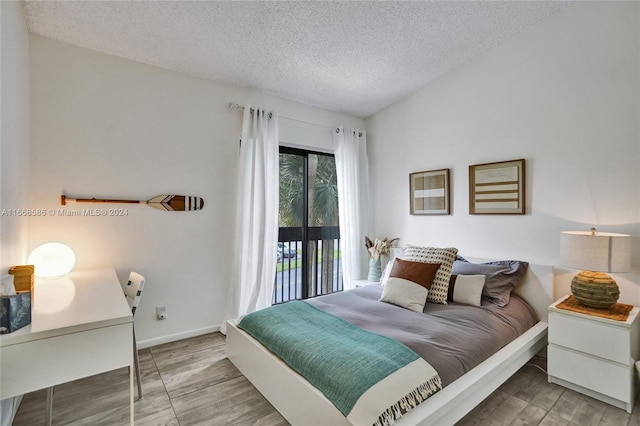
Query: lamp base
(595, 289)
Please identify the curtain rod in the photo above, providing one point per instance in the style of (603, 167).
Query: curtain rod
(233, 105)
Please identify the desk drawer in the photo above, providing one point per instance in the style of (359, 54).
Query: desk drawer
(604, 377)
(592, 337)
(38, 364)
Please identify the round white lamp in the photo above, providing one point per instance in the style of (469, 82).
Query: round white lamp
(52, 260)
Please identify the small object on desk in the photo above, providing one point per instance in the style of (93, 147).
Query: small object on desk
(22, 277)
(15, 312)
(15, 307)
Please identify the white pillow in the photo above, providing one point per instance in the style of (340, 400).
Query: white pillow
(387, 271)
(405, 293)
(468, 289)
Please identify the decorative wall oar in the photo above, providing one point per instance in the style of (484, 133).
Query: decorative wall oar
(178, 203)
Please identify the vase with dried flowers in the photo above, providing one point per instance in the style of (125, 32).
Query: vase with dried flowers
(376, 248)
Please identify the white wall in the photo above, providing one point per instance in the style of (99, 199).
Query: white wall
(565, 96)
(14, 151)
(14, 139)
(108, 127)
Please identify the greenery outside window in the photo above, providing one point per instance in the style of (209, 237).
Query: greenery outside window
(309, 261)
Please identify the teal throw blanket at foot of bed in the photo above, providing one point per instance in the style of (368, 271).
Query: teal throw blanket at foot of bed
(352, 367)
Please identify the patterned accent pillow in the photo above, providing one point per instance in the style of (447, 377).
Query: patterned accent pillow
(443, 256)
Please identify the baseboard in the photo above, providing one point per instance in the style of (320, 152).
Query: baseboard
(147, 343)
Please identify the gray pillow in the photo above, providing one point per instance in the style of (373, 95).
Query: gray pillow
(502, 276)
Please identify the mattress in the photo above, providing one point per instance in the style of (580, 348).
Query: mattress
(453, 338)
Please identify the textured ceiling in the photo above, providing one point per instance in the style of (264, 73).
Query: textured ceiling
(351, 57)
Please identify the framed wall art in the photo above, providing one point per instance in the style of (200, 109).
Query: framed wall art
(497, 188)
(429, 192)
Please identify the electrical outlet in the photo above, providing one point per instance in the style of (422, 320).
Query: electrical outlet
(161, 312)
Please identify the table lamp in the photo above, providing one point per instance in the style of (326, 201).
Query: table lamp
(52, 260)
(596, 253)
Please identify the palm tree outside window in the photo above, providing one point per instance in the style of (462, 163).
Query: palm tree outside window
(309, 261)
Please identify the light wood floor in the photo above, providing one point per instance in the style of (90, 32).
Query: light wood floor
(191, 382)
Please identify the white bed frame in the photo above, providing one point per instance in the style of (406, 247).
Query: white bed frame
(302, 404)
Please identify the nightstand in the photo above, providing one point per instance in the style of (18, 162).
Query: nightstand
(595, 356)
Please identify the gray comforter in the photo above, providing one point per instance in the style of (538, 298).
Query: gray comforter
(453, 338)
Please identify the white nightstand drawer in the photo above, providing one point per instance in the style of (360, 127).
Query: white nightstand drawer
(597, 338)
(604, 377)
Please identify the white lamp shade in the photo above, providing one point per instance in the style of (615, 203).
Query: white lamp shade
(598, 252)
(52, 260)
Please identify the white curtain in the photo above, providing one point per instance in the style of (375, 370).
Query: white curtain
(257, 215)
(353, 196)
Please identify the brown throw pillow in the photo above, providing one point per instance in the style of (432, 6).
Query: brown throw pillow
(418, 272)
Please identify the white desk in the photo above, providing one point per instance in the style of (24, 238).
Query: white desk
(81, 325)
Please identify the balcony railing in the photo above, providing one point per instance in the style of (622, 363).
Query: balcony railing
(307, 270)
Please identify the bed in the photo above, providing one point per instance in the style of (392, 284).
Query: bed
(299, 401)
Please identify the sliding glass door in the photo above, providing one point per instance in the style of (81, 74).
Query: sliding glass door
(309, 256)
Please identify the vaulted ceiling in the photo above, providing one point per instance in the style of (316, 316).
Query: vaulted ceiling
(346, 56)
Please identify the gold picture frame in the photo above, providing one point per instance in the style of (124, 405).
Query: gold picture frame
(429, 192)
(497, 188)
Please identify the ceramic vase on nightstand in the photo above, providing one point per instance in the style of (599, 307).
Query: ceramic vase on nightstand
(375, 270)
